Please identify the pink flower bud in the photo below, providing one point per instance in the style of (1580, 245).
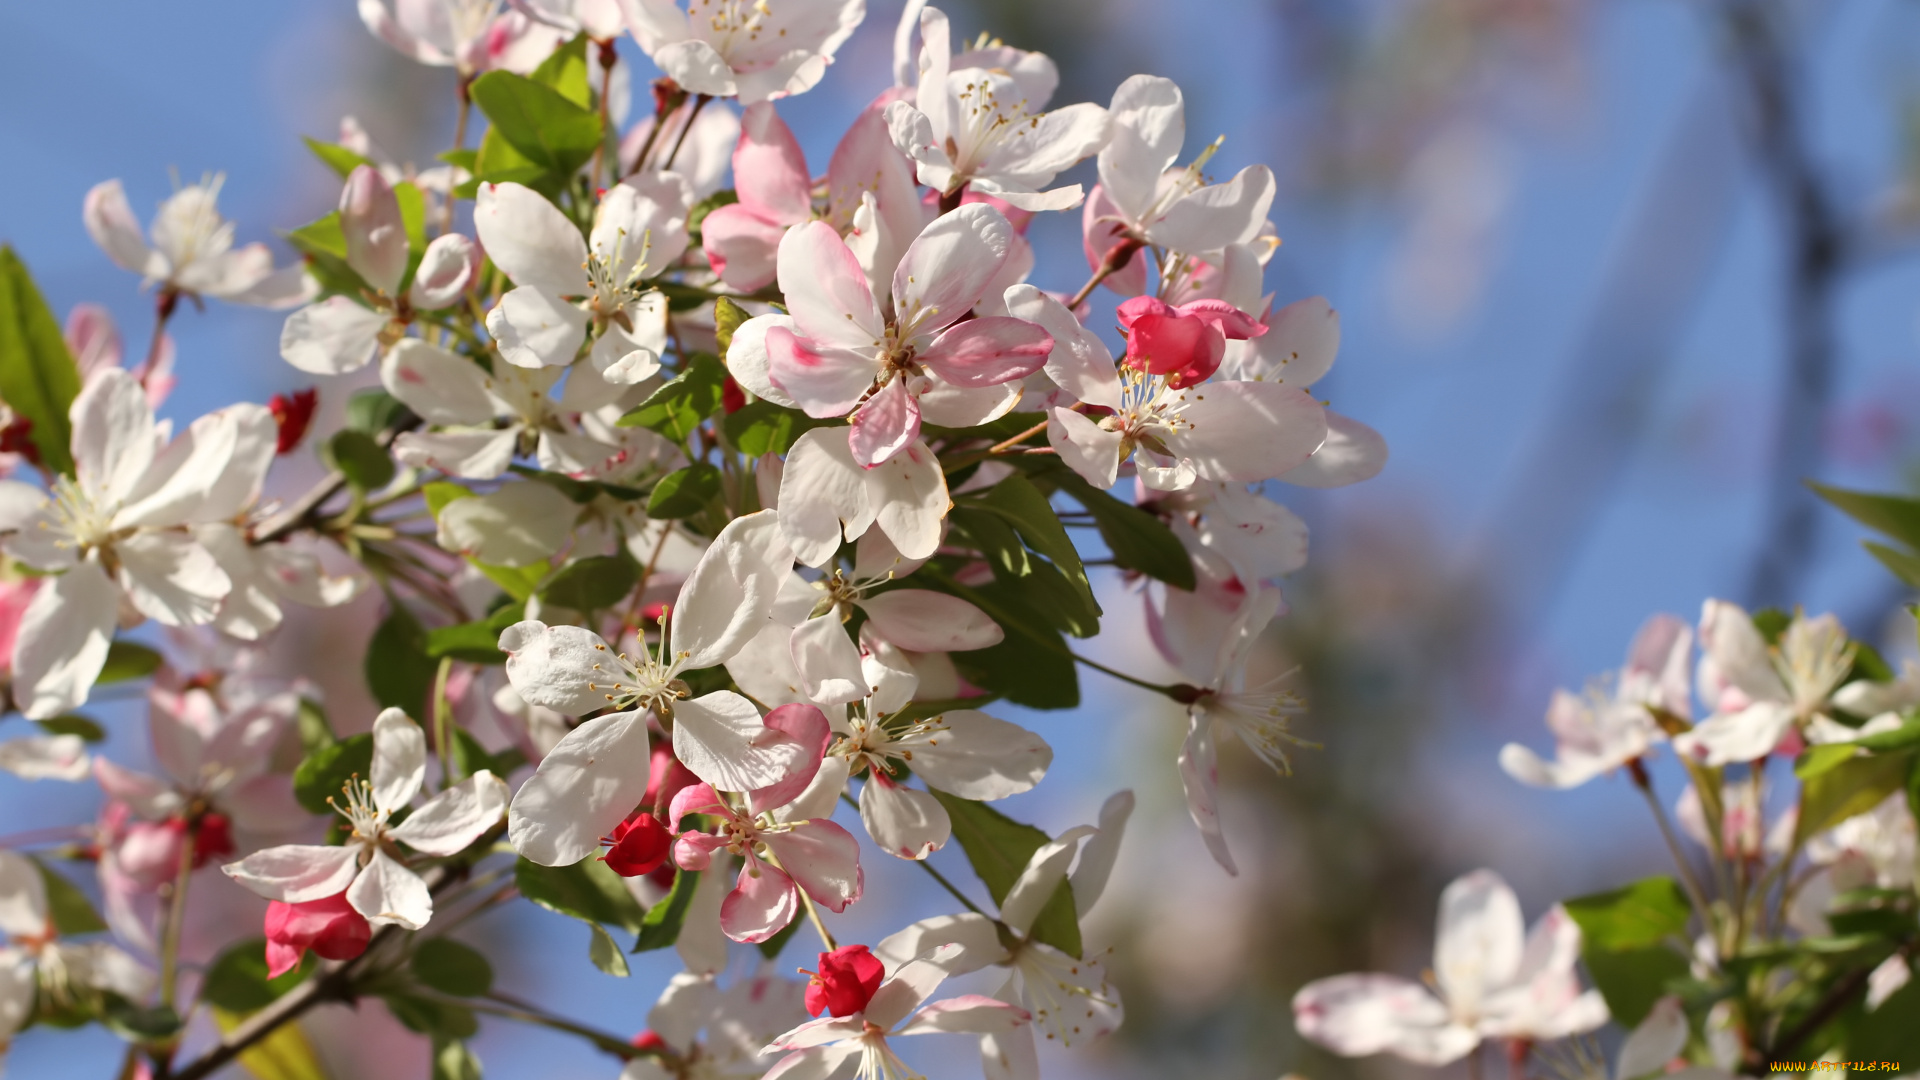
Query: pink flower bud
(329, 926)
(848, 978)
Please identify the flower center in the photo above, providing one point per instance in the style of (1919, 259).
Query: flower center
(651, 682)
(88, 521)
(368, 821)
(611, 291)
(986, 121)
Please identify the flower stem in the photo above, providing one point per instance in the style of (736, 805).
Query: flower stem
(443, 721)
(1694, 892)
(692, 115)
(459, 143)
(813, 915)
(176, 917)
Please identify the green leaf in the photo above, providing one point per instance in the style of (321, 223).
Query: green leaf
(1897, 516)
(128, 660)
(761, 427)
(1904, 737)
(476, 642)
(439, 493)
(605, 952)
(998, 847)
(1853, 786)
(996, 540)
(727, 317)
(678, 407)
(517, 582)
(73, 724)
(315, 732)
(365, 463)
(38, 377)
(374, 411)
(452, 1060)
(324, 772)
(565, 72)
(685, 492)
(1032, 666)
(237, 980)
(1905, 565)
(546, 128)
(141, 1023)
(399, 672)
(1624, 936)
(1060, 605)
(470, 757)
(773, 946)
(67, 907)
(441, 1019)
(662, 925)
(1016, 499)
(451, 967)
(325, 247)
(594, 583)
(588, 890)
(497, 162)
(336, 157)
(1138, 540)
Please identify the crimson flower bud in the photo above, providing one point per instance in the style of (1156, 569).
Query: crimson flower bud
(329, 926)
(640, 845)
(293, 414)
(846, 981)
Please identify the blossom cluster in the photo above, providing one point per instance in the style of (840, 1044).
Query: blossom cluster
(703, 497)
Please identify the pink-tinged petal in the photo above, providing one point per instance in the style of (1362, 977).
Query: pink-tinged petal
(967, 1014)
(146, 795)
(1361, 1014)
(913, 983)
(46, 757)
(808, 726)
(866, 161)
(905, 823)
(384, 26)
(296, 873)
(331, 337)
(823, 1063)
(1217, 215)
(948, 267)
(947, 405)
(1353, 452)
(1301, 342)
(1200, 778)
(1730, 641)
(742, 245)
(446, 272)
(885, 425)
(813, 1033)
(1085, 447)
(721, 739)
(823, 859)
(695, 799)
(824, 381)
(695, 851)
(63, 641)
(111, 223)
(1101, 237)
(825, 494)
(1130, 311)
(989, 351)
(588, 783)
(826, 290)
(1479, 939)
(530, 240)
(761, 904)
(1746, 735)
(476, 455)
(1078, 361)
(389, 893)
(1247, 432)
(456, 817)
(537, 328)
(747, 359)
(910, 491)
(769, 171)
(828, 661)
(375, 236)
(1187, 350)
(441, 387)
(1232, 323)
(1149, 124)
(921, 621)
(976, 756)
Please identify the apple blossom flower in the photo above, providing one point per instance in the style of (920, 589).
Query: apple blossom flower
(329, 926)
(342, 333)
(1871, 850)
(736, 48)
(1491, 981)
(1610, 726)
(983, 126)
(368, 867)
(1257, 538)
(115, 529)
(192, 252)
(592, 779)
(469, 36)
(1143, 199)
(1298, 349)
(777, 859)
(709, 1033)
(36, 961)
(1225, 432)
(1744, 834)
(1761, 692)
(639, 226)
(1069, 997)
(837, 353)
(827, 1046)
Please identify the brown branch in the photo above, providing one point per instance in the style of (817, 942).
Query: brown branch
(304, 511)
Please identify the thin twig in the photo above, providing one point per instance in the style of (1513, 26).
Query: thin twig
(692, 115)
(302, 512)
(176, 918)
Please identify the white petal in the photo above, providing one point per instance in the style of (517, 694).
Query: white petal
(729, 596)
(1478, 943)
(906, 988)
(567, 668)
(1247, 432)
(529, 239)
(456, 817)
(976, 756)
(536, 328)
(1200, 782)
(23, 897)
(921, 621)
(588, 783)
(1361, 1014)
(909, 494)
(720, 738)
(976, 935)
(1080, 363)
(331, 337)
(399, 759)
(828, 661)
(1038, 881)
(1353, 452)
(825, 494)
(16, 991)
(1098, 854)
(295, 873)
(170, 578)
(904, 822)
(1217, 215)
(518, 525)
(63, 639)
(947, 268)
(1085, 447)
(1747, 735)
(1149, 124)
(1657, 1040)
(113, 434)
(446, 272)
(747, 358)
(111, 223)
(46, 757)
(441, 387)
(474, 454)
(971, 1014)
(386, 892)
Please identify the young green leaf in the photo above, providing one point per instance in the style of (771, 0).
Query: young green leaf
(1138, 540)
(364, 462)
(38, 377)
(678, 407)
(67, 907)
(375, 410)
(1628, 939)
(588, 890)
(429, 1016)
(451, 967)
(761, 427)
(1897, 516)
(1027, 510)
(727, 317)
(324, 772)
(605, 952)
(549, 130)
(662, 925)
(1853, 786)
(684, 493)
(476, 642)
(73, 724)
(237, 980)
(594, 583)
(453, 1060)
(773, 946)
(128, 660)
(399, 672)
(565, 72)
